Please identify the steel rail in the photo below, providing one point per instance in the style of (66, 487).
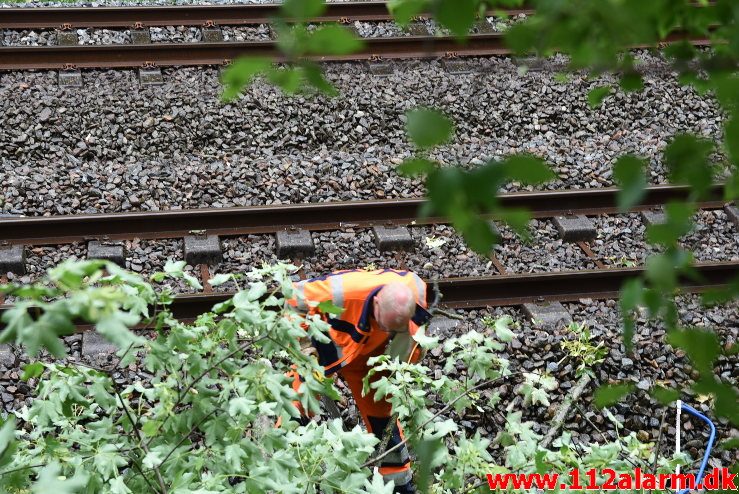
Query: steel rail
(188, 15)
(314, 216)
(186, 54)
(508, 290)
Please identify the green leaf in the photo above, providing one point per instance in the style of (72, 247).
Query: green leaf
(478, 235)
(518, 220)
(403, 11)
(240, 406)
(528, 169)
(731, 139)
(608, 395)
(328, 307)
(414, 167)
(303, 10)
(629, 173)
(314, 75)
(428, 128)
(542, 467)
(628, 330)
(687, 158)
(665, 395)
(151, 427)
(430, 454)
(152, 459)
(726, 397)
(730, 444)
(32, 370)
(233, 454)
(661, 272)
(117, 485)
(632, 82)
(424, 341)
(701, 346)
(333, 40)
(522, 38)
(287, 79)
(456, 15)
(597, 95)
(502, 331)
(7, 441)
(241, 73)
(631, 294)
(678, 222)
(220, 279)
(115, 329)
(50, 480)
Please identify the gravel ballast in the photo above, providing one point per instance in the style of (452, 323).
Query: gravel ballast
(106, 140)
(545, 252)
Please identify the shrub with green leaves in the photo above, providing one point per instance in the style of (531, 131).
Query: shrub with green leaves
(205, 421)
(582, 349)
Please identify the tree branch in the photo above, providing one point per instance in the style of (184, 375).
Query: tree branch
(436, 415)
(207, 371)
(141, 441)
(182, 440)
(564, 410)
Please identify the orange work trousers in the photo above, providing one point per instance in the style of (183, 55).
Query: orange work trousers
(396, 466)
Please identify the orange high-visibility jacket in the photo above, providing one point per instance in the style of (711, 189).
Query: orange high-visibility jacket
(355, 332)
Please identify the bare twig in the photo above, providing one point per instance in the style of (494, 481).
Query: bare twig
(437, 297)
(182, 440)
(659, 444)
(134, 426)
(564, 410)
(582, 412)
(450, 315)
(22, 468)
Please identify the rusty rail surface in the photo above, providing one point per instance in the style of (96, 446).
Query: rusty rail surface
(188, 15)
(508, 290)
(219, 53)
(222, 53)
(314, 216)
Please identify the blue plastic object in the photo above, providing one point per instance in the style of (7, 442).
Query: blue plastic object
(709, 447)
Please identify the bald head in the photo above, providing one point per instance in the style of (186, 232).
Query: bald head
(394, 307)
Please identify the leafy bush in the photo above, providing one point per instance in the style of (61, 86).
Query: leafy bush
(205, 421)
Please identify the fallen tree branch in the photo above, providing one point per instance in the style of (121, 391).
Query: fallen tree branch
(564, 410)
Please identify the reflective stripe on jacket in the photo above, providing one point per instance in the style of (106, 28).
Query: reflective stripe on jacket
(355, 331)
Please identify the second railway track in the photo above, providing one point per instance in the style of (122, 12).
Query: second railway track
(313, 216)
(503, 289)
(187, 15)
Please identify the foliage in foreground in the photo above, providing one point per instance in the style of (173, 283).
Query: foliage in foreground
(204, 422)
(598, 36)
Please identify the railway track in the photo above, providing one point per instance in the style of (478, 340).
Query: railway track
(188, 15)
(221, 53)
(508, 290)
(53, 230)
(473, 292)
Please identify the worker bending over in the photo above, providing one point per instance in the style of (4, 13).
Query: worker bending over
(377, 306)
